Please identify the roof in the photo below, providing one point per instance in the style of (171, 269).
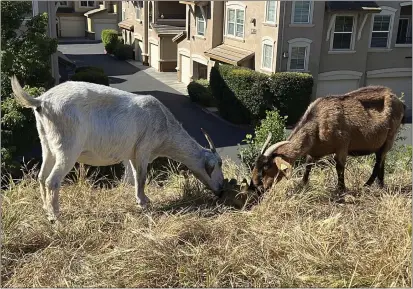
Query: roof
(162, 29)
(126, 24)
(229, 54)
(179, 37)
(368, 6)
(95, 11)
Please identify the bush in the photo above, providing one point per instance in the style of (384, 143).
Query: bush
(244, 95)
(19, 133)
(273, 123)
(89, 68)
(199, 91)
(91, 75)
(291, 94)
(110, 40)
(123, 51)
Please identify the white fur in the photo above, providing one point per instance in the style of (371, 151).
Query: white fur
(99, 125)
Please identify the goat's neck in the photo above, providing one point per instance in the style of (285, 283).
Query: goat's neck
(184, 149)
(299, 145)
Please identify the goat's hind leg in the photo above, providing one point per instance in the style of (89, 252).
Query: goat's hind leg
(376, 169)
(45, 170)
(63, 164)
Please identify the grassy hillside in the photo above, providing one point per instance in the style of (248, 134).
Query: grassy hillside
(296, 237)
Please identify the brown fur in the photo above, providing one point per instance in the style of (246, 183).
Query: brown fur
(361, 122)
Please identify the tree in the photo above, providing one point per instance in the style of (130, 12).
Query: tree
(26, 54)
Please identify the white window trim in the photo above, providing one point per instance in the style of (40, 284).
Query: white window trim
(275, 14)
(406, 3)
(123, 14)
(267, 41)
(236, 6)
(310, 14)
(138, 7)
(87, 4)
(299, 42)
(385, 10)
(197, 21)
(353, 34)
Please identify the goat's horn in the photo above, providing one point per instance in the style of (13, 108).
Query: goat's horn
(266, 142)
(272, 148)
(211, 144)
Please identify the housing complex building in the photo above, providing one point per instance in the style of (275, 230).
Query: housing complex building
(343, 44)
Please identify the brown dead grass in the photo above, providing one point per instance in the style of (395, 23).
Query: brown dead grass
(295, 237)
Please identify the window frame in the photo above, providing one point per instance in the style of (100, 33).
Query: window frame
(138, 8)
(66, 5)
(353, 33)
(87, 4)
(409, 29)
(275, 12)
(299, 42)
(236, 7)
(270, 42)
(388, 11)
(197, 20)
(310, 14)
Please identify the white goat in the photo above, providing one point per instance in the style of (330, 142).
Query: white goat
(99, 126)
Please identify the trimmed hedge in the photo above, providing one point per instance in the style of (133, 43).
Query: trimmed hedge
(199, 91)
(110, 40)
(123, 51)
(91, 74)
(244, 95)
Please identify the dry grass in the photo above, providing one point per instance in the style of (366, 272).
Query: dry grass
(296, 237)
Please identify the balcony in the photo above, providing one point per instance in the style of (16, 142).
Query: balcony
(170, 13)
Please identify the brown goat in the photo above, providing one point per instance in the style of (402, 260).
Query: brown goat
(358, 123)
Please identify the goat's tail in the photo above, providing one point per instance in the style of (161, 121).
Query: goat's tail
(23, 97)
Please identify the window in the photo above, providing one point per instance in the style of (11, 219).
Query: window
(200, 21)
(87, 3)
(299, 54)
(343, 33)
(267, 54)
(123, 14)
(302, 12)
(138, 12)
(235, 22)
(381, 28)
(380, 32)
(270, 11)
(404, 32)
(63, 4)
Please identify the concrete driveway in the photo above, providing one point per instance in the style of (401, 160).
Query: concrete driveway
(127, 77)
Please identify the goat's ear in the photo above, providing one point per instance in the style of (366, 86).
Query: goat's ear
(209, 168)
(283, 166)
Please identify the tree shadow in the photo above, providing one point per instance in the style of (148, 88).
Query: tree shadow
(115, 80)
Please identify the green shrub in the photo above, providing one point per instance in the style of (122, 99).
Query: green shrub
(92, 76)
(399, 158)
(243, 95)
(273, 123)
(199, 91)
(291, 93)
(110, 40)
(123, 51)
(19, 133)
(89, 68)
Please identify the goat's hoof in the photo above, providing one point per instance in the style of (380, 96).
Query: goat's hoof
(144, 204)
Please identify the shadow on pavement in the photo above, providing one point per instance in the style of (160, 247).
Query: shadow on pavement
(110, 65)
(193, 118)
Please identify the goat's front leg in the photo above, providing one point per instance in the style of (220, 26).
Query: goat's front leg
(340, 159)
(139, 170)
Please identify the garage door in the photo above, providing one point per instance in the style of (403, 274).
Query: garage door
(154, 55)
(72, 27)
(138, 50)
(398, 85)
(185, 69)
(327, 87)
(98, 27)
